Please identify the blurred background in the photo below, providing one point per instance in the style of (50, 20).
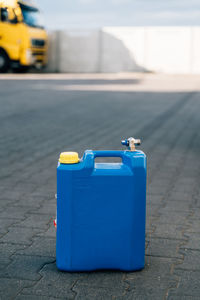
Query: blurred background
(90, 36)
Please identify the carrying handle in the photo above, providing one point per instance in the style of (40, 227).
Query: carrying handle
(89, 156)
(112, 153)
(126, 156)
(108, 153)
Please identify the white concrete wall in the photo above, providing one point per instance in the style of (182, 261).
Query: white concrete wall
(75, 51)
(195, 50)
(80, 51)
(53, 51)
(122, 49)
(168, 50)
(125, 49)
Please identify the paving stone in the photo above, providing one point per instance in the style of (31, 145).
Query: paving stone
(181, 297)
(196, 213)
(20, 235)
(5, 223)
(193, 241)
(189, 283)
(191, 260)
(153, 280)
(183, 188)
(197, 201)
(158, 190)
(32, 202)
(12, 194)
(160, 181)
(51, 231)
(7, 250)
(169, 231)
(170, 206)
(176, 218)
(54, 283)
(104, 279)
(152, 209)
(15, 212)
(9, 288)
(179, 196)
(135, 296)
(36, 297)
(100, 293)
(5, 203)
(154, 199)
(186, 181)
(35, 221)
(151, 213)
(194, 226)
(162, 247)
(29, 266)
(38, 196)
(41, 246)
(3, 267)
(47, 208)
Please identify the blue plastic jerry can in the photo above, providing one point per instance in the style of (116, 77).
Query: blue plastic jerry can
(101, 210)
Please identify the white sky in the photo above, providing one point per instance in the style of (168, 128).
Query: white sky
(97, 13)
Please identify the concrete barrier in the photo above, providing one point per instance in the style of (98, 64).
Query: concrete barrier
(126, 49)
(74, 51)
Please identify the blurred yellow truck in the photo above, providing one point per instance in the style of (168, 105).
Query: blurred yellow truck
(23, 39)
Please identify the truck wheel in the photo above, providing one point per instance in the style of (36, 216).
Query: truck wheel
(4, 62)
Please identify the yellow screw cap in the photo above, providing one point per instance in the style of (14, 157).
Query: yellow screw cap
(69, 158)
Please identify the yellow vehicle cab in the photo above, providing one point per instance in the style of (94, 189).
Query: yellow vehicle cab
(23, 39)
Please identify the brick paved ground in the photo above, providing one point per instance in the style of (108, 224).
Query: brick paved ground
(39, 119)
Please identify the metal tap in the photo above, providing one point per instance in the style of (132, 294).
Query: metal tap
(131, 143)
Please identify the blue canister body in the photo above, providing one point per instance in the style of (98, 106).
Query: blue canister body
(101, 212)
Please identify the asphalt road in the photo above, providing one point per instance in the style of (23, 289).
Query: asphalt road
(43, 115)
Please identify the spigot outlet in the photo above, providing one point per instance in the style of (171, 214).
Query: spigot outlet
(131, 143)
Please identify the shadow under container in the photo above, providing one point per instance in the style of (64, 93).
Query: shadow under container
(101, 212)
